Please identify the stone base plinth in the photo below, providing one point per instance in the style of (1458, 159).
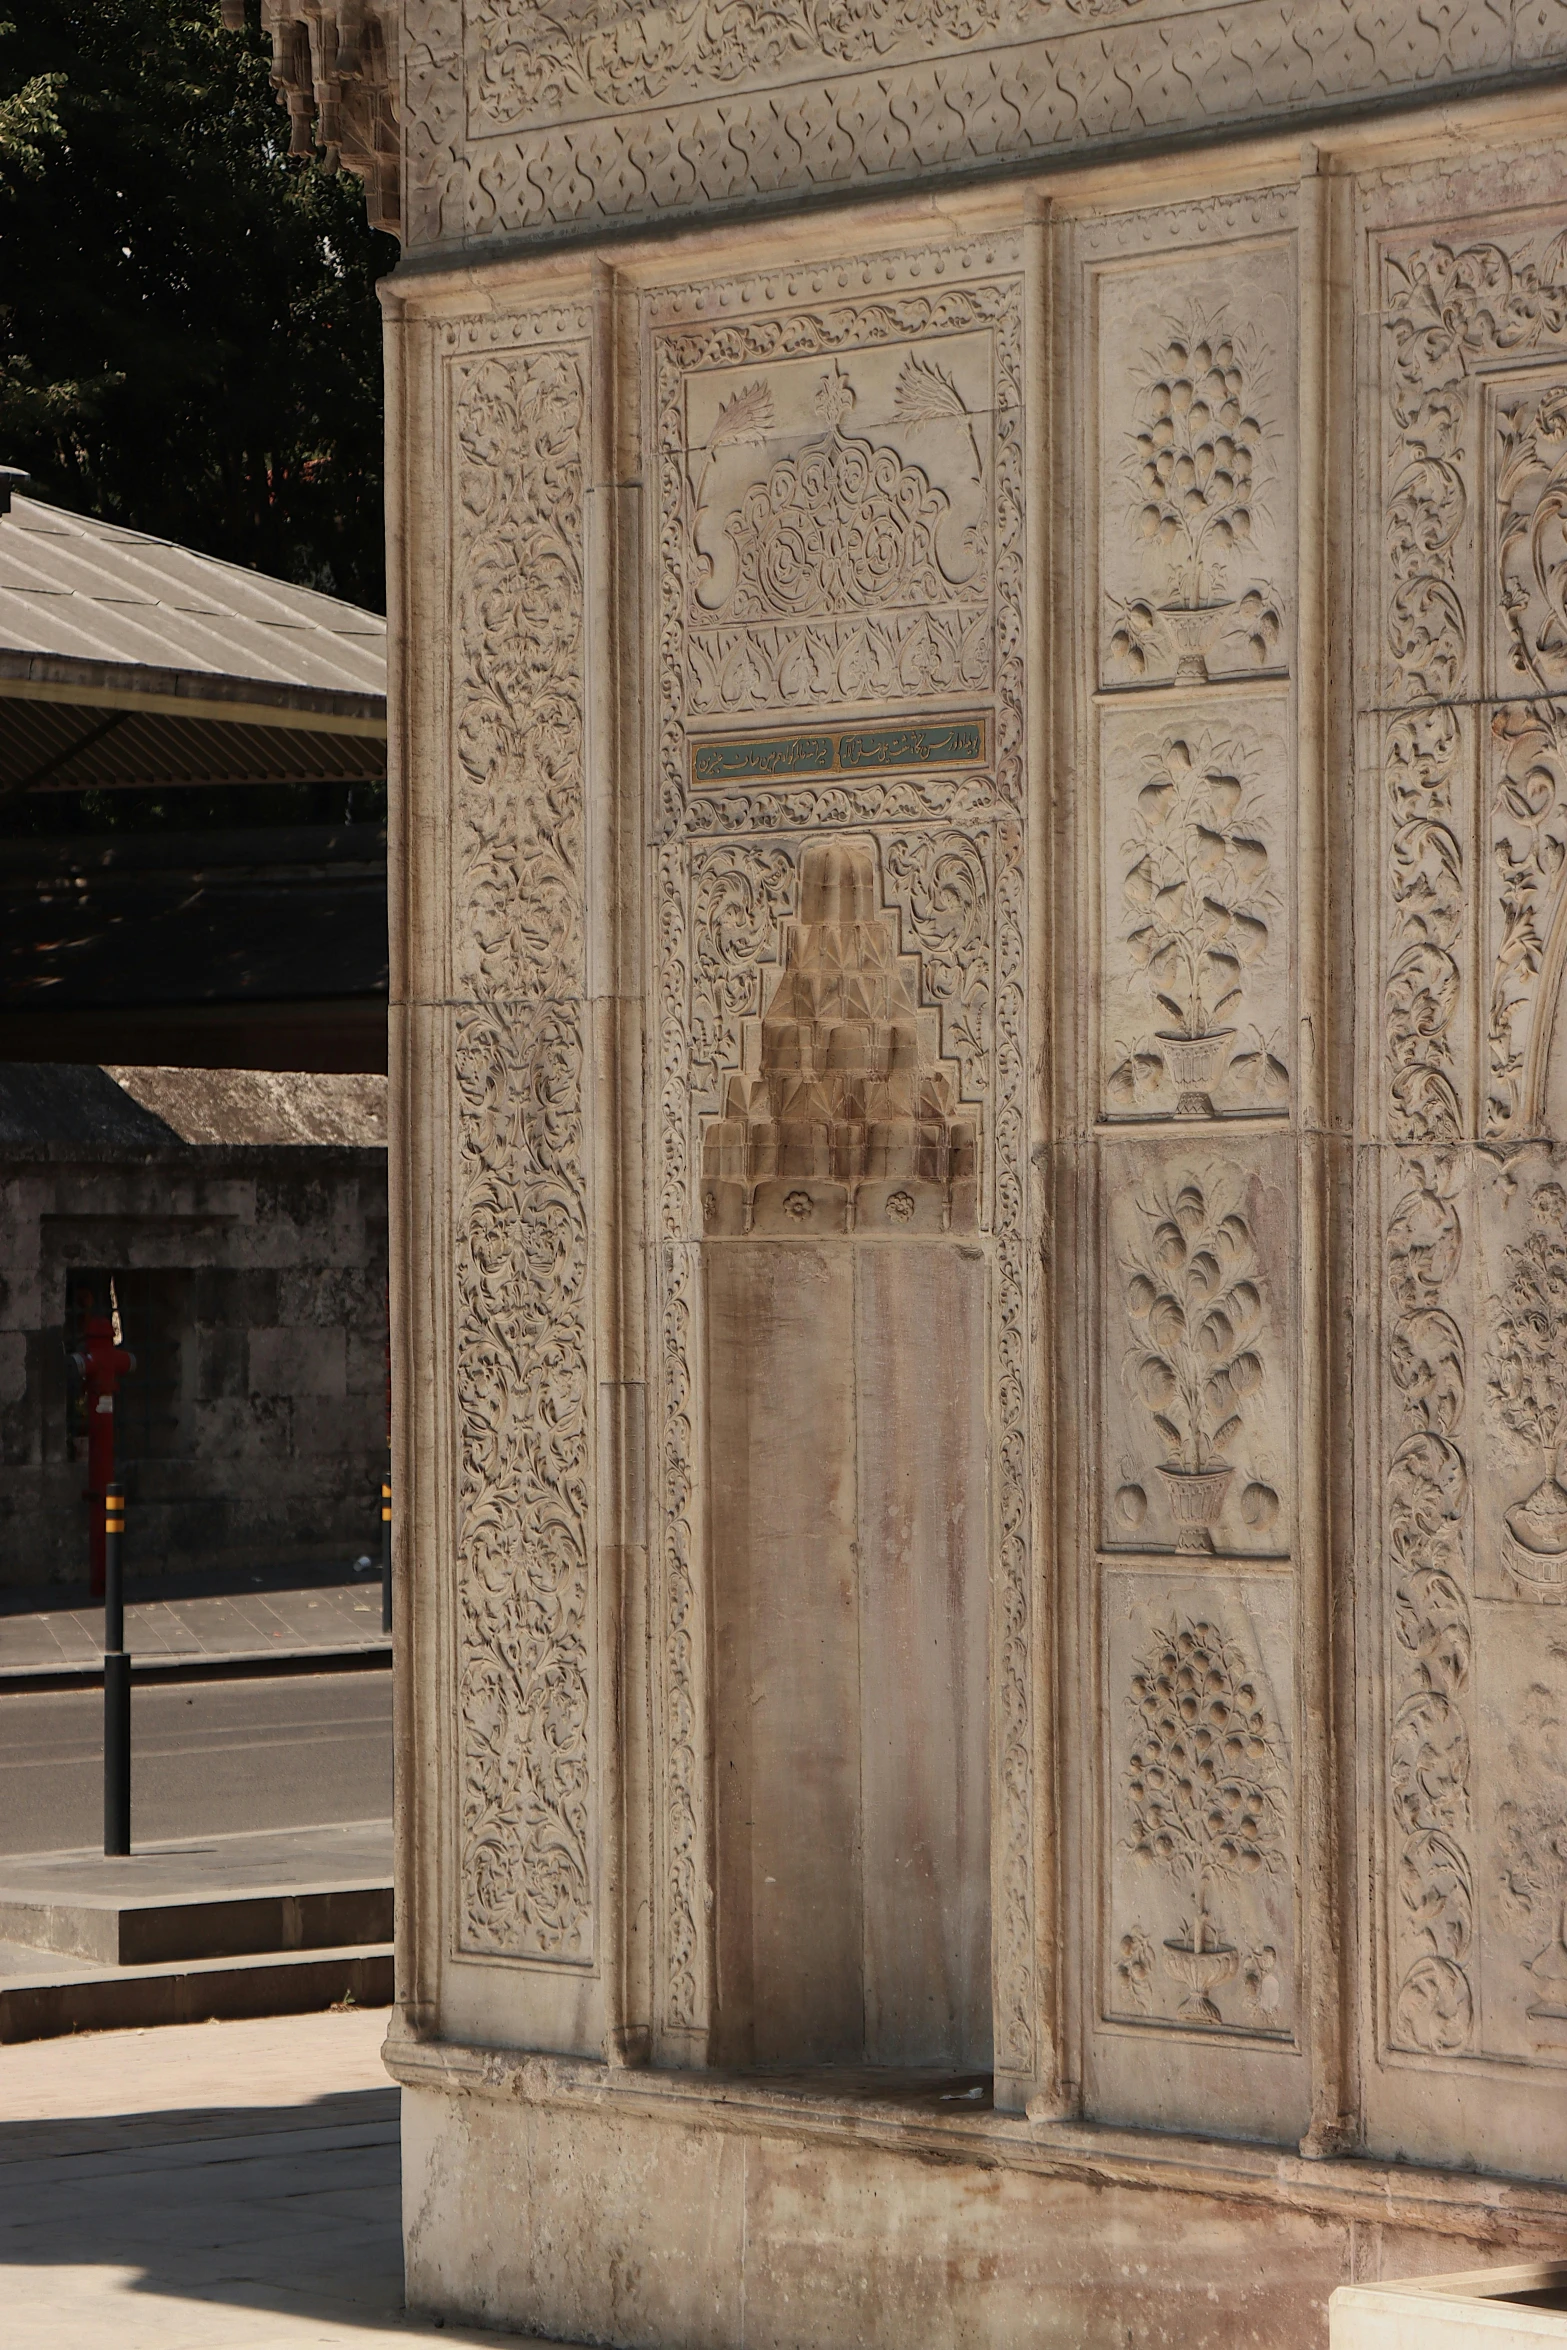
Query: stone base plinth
(702, 2212)
(1487, 2309)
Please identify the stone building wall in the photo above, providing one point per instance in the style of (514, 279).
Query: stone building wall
(980, 856)
(251, 1284)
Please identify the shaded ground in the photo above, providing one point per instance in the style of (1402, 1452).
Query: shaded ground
(203, 2185)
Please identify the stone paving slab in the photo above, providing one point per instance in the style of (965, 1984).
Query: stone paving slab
(168, 1626)
(262, 1860)
(205, 2185)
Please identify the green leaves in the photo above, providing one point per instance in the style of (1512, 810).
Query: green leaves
(189, 335)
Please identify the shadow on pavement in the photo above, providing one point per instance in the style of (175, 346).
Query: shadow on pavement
(287, 2210)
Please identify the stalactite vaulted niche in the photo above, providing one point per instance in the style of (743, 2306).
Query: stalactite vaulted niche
(846, 1343)
(842, 1389)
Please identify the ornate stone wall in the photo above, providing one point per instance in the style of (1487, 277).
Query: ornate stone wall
(1460, 679)
(1018, 749)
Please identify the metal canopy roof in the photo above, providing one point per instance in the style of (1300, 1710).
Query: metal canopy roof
(126, 660)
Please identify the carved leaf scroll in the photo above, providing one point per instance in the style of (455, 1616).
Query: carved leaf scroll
(1530, 739)
(1427, 1504)
(614, 114)
(521, 1321)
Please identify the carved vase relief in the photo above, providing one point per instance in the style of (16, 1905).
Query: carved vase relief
(1195, 447)
(1203, 1792)
(1190, 563)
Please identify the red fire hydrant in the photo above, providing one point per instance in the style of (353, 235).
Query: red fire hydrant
(100, 1365)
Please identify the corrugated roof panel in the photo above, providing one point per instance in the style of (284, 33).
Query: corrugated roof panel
(83, 589)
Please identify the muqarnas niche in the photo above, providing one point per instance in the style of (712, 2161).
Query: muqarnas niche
(842, 1116)
(848, 1512)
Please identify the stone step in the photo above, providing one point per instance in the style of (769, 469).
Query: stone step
(127, 1930)
(72, 1998)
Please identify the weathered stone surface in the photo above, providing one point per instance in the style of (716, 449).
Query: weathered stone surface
(985, 1196)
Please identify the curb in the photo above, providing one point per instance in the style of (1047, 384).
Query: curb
(243, 1665)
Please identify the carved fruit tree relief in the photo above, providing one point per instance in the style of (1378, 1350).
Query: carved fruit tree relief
(1194, 1374)
(1201, 1824)
(523, 1382)
(1196, 1012)
(1191, 559)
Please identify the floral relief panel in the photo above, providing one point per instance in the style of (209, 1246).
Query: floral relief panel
(1196, 464)
(522, 1632)
(1197, 1719)
(1468, 668)
(1198, 1371)
(1196, 877)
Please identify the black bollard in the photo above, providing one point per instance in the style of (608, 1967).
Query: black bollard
(386, 1553)
(116, 1681)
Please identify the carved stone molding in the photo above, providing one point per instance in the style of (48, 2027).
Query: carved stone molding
(525, 119)
(524, 1390)
(335, 67)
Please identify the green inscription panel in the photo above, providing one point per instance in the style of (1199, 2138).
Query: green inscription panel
(856, 750)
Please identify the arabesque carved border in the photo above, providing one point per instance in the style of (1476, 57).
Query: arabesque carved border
(519, 121)
(521, 1275)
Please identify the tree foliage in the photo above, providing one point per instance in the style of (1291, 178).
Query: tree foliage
(189, 335)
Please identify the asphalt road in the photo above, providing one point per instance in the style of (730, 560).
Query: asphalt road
(206, 1760)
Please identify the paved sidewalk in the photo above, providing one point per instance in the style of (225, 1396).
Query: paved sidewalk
(197, 1619)
(203, 2185)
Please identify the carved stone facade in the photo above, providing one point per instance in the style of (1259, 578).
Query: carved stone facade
(984, 1206)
